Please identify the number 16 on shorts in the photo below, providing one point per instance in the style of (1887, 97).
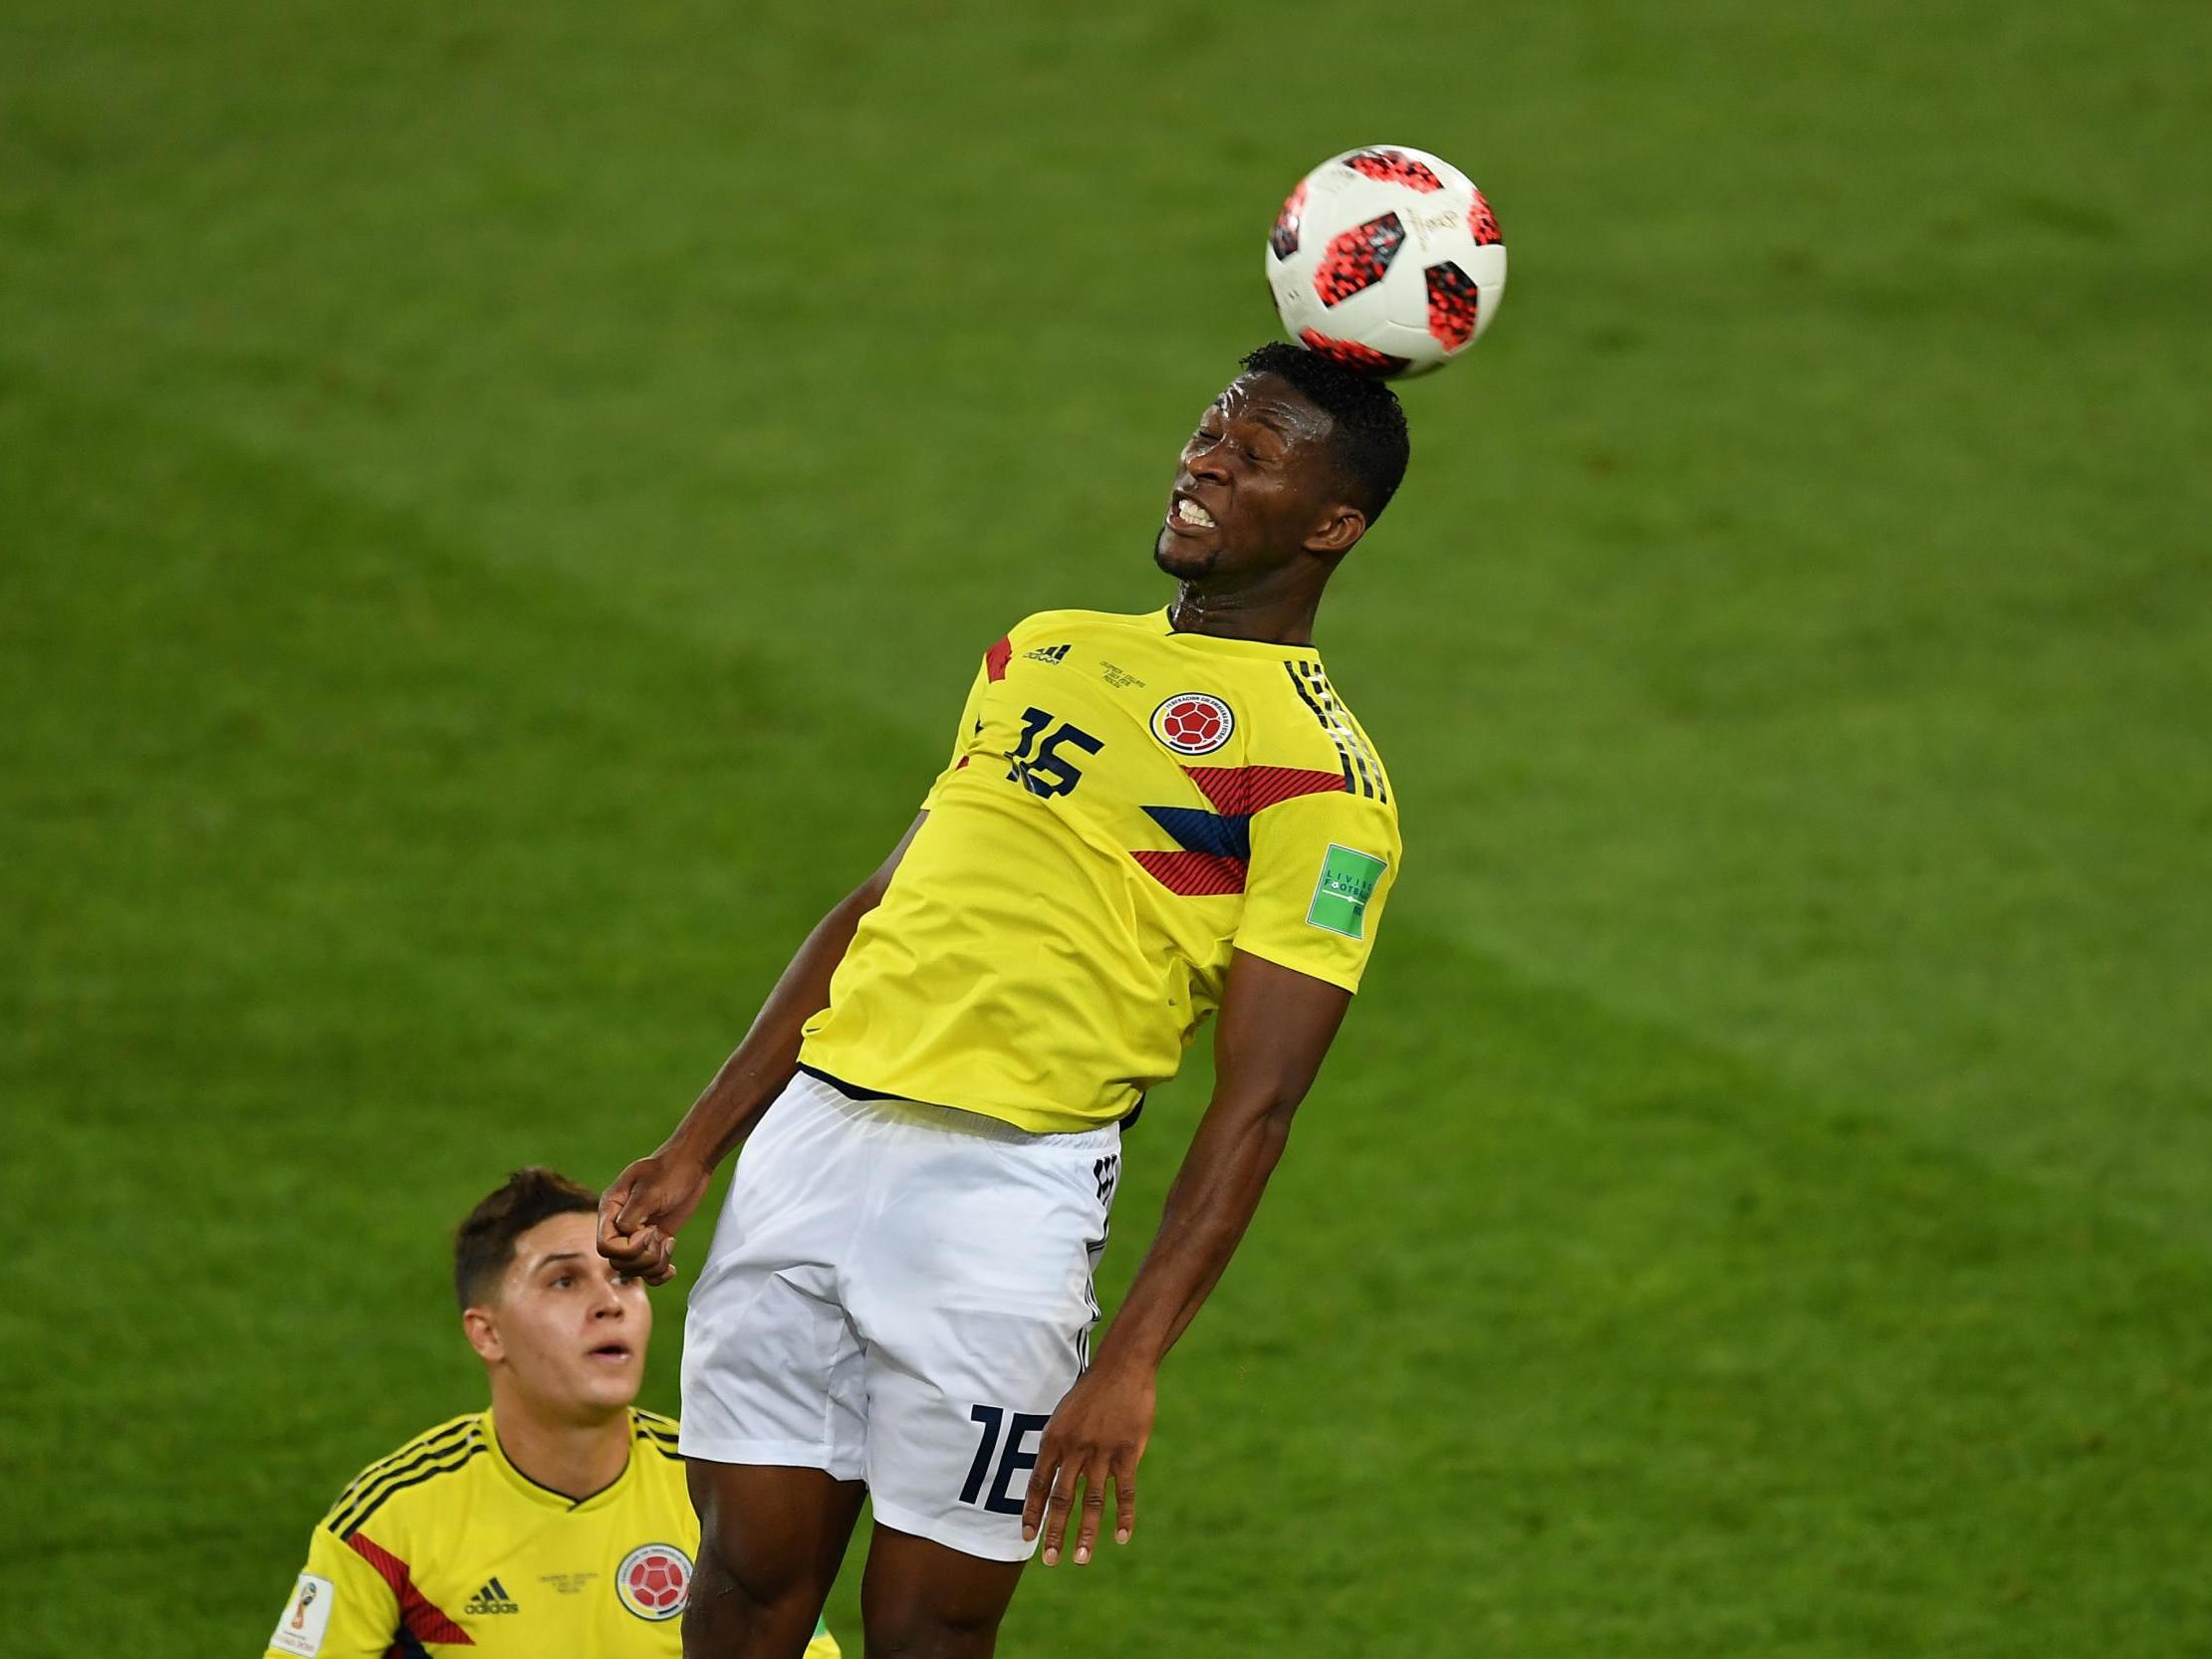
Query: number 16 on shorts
(1011, 1440)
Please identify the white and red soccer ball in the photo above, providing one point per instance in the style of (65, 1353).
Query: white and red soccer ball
(1387, 258)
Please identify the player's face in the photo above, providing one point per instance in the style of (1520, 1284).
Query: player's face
(571, 1330)
(1254, 487)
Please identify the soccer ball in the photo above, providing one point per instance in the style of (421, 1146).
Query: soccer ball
(1387, 259)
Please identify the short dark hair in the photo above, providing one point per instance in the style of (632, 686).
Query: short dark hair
(1367, 432)
(484, 1243)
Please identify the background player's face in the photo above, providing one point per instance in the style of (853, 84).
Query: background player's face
(1258, 466)
(566, 1332)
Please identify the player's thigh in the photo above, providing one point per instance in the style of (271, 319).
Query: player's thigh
(772, 1538)
(926, 1601)
(975, 1305)
(771, 1366)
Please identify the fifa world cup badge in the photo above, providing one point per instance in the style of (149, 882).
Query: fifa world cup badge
(306, 1617)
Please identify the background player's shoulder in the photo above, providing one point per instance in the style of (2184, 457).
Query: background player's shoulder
(654, 1433)
(660, 1475)
(449, 1446)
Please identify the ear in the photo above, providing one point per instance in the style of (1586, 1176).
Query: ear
(1334, 534)
(482, 1331)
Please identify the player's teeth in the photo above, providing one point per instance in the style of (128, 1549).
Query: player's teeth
(1192, 513)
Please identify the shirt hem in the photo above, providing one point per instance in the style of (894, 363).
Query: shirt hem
(1028, 1122)
(1342, 981)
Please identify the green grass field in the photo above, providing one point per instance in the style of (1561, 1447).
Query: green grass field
(498, 510)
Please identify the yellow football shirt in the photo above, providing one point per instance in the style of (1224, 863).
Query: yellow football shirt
(1125, 807)
(446, 1545)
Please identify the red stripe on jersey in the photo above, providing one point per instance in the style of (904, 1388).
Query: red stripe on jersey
(1252, 789)
(1194, 875)
(996, 658)
(419, 1616)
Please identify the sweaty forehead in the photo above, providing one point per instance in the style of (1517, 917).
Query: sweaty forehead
(572, 1233)
(1274, 403)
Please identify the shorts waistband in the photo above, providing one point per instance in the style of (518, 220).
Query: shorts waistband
(957, 1119)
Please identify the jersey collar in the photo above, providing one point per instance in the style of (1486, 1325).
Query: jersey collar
(544, 1496)
(1163, 623)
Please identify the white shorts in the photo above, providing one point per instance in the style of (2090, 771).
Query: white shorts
(899, 1294)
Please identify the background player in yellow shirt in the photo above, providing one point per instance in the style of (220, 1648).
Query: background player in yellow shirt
(555, 1522)
(1145, 820)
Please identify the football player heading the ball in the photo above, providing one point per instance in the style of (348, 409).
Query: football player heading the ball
(1145, 819)
(555, 1523)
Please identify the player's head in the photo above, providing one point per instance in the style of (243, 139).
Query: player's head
(562, 1334)
(1291, 464)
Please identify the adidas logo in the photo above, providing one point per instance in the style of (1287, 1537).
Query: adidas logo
(492, 1598)
(1048, 653)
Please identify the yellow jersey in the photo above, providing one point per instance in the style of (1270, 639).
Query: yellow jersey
(446, 1545)
(1126, 806)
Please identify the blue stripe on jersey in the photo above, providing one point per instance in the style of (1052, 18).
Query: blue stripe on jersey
(1224, 836)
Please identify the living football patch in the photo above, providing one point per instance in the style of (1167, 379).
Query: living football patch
(1341, 893)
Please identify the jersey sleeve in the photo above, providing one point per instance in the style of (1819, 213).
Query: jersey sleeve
(964, 740)
(341, 1608)
(1320, 871)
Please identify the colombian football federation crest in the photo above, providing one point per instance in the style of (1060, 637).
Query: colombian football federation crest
(653, 1580)
(1193, 723)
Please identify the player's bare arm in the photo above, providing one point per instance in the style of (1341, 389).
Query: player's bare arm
(651, 1200)
(1273, 1029)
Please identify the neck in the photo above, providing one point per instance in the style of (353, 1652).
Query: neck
(576, 1457)
(1277, 610)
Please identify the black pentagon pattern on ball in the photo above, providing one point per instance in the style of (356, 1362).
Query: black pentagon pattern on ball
(1454, 304)
(1358, 259)
(1365, 359)
(1285, 239)
(1394, 167)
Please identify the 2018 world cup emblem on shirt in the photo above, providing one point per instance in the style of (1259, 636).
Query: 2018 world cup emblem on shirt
(307, 1618)
(1193, 723)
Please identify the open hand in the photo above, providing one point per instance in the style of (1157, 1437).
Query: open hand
(1097, 1435)
(642, 1210)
